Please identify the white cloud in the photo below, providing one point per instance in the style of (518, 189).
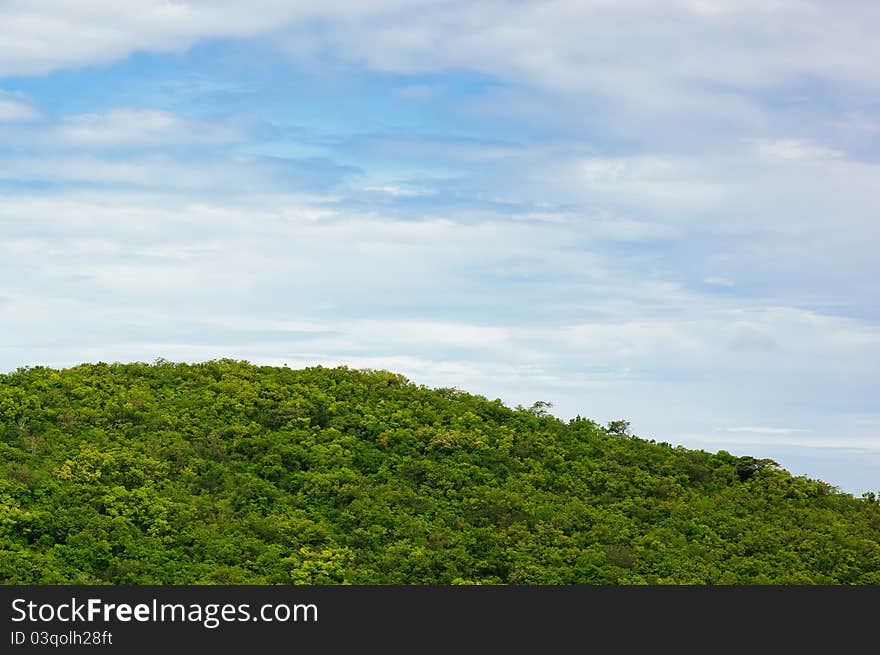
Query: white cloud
(43, 36)
(652, 180)
(764, 430)
(159, 254)
(782, 193)
(441, 334)
(399, 191)
(133, 127)
(716, 281)
(796, 150)
(149, 171)
(665, 59)
(15, 108)
(224, 174)
(802, 439)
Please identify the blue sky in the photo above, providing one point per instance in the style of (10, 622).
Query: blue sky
(664, 212)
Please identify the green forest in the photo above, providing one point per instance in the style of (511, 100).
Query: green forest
(225, 472)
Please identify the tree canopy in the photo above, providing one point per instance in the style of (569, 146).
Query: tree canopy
(224, 472)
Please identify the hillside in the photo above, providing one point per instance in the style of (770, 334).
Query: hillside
(229, 473)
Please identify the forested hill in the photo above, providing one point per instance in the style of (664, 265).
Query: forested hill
(229, 473)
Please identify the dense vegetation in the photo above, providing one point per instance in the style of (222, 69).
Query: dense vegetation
(225, 472)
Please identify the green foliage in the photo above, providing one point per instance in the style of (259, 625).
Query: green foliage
(620, 427)
(229, 473)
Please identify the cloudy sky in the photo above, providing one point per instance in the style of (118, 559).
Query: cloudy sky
(660, 211)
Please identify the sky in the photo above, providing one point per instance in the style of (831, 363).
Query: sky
(664, 212)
